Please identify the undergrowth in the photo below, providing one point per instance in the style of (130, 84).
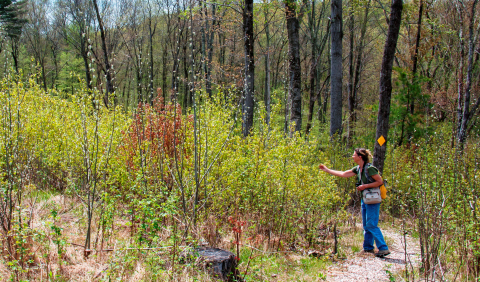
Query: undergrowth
(90, 192)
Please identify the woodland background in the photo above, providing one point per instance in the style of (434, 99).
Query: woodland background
(134, 130)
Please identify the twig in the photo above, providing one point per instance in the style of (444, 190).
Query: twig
(112, 250)
(248, 264)
(100, 273)
(441, 269)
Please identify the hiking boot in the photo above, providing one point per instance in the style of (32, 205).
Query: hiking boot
(369, 251)
(382, 253)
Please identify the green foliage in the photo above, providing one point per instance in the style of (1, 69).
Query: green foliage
(56, 233)
(44, 142)
(11, 17)
(153, 165)
(437, 186)
(412, 124)
(272, 177)
(67, 81)
(266, 267)
(121, 264)
(390, 275)
(52, 128)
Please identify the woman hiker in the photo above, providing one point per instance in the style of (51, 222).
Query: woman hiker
(370, 212)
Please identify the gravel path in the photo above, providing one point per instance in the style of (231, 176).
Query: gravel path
(366, 267)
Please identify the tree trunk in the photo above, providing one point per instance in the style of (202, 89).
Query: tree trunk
(15, 53)
(313, 67)
(138, 74)
(360, 46)
(203, 45)
(185, 84)
(322, 105)
(415, 55)
(210, 37)
(351, 98)
(77, 33)
(358, 69)
(295, 74)
(164, 75)
(248, 101)
(336, 73)
(176, 57)
(151, 33)
(88, 75)
(313, 94)
(223, 48)
(322, 112)
(110, 87)
(386, 82)
(55, 63)
(267, 95)
(44, 75)
(325, 44)
(466, 112)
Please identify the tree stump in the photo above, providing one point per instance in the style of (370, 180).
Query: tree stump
(220, 263)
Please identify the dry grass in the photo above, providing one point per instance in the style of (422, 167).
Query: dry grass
(71, 265)
(257, 263)
(152, 265)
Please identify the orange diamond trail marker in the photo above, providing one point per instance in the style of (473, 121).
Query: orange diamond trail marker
(381, 140)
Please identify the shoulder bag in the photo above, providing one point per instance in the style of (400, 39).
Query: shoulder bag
(370, 195)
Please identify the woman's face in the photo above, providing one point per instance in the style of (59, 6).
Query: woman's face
(355, 157)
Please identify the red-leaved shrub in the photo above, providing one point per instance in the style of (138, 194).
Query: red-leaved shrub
(156, 139)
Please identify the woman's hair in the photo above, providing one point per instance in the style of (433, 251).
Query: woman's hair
(363, 153)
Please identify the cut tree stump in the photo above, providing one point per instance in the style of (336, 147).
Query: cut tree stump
(220, 263)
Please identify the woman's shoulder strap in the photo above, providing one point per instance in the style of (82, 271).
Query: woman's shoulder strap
(369, 165)
(366, 167)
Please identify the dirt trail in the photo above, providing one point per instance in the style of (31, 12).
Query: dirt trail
(366, 267)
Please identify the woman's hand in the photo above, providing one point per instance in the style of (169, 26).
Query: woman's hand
(361, 187)
(322, 167)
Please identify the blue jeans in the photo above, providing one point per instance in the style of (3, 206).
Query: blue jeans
(370, 214)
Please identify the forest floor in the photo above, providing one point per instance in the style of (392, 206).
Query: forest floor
(366, 267)
(350, 264)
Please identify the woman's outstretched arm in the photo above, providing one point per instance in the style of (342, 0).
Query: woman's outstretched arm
(347, 173)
